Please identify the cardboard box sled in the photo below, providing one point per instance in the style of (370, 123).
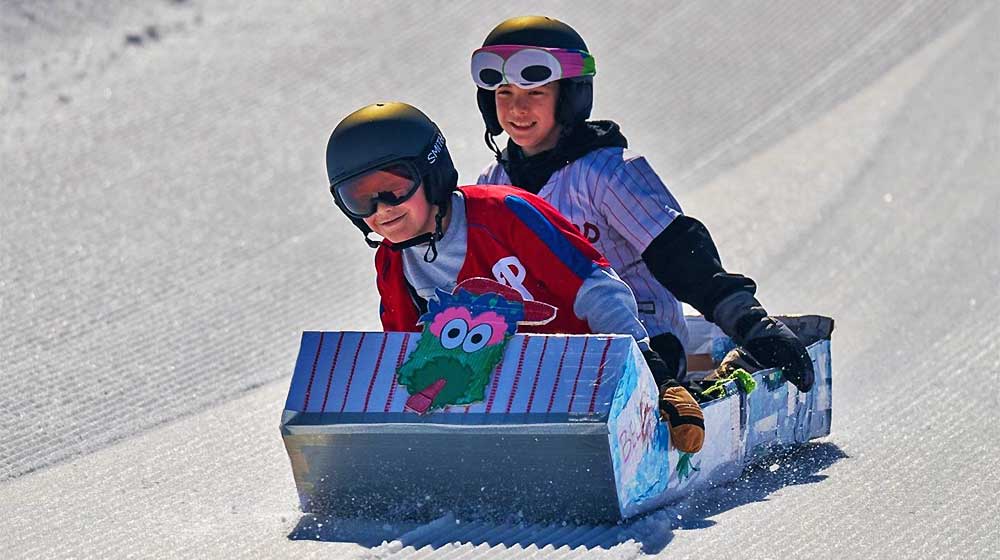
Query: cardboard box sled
(568, 429)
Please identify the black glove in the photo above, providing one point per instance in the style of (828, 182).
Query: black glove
(767, 339)
(773, 344)
(685, 260)
(666, 358)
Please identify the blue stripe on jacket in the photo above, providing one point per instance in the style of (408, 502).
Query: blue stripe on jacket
(581, 265)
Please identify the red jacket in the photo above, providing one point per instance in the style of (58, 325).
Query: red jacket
(514, 237)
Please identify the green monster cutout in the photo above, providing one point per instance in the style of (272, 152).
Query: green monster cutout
(464, 338)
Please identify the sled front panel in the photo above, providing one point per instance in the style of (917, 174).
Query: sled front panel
(422, 471)
(537, 440)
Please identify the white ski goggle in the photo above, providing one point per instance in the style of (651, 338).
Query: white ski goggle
(528, 67)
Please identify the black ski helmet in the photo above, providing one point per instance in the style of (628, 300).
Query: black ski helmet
(576, 95)
(383, 133)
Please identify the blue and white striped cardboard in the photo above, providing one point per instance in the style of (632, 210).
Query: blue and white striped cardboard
(539, 375)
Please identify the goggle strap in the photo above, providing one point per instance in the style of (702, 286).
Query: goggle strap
(374, 244)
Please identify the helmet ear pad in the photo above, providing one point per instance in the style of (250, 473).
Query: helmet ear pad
(441, 181)
(576, 99)
(487, 102)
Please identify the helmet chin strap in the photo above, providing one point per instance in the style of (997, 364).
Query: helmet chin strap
(491, 143)
(432, 251)
(431, 238)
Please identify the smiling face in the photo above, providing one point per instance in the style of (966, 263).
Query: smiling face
(404, 221)
(528, 116)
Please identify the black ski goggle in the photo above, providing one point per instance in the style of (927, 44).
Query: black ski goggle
(392, 184)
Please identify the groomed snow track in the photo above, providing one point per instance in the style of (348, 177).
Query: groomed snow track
(166, 235)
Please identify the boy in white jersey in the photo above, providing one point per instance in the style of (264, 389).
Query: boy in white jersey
(535, 82)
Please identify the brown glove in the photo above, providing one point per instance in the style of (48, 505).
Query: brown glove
(683, 416)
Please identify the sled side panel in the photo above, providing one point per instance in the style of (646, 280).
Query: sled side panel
(721, 458)
(819, 422)
(638, 440)
(780, 414)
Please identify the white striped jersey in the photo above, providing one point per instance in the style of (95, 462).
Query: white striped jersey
(619, 203)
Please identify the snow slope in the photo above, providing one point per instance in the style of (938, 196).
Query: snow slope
(166, 234)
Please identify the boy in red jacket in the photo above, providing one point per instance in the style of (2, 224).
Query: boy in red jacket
(391, 174)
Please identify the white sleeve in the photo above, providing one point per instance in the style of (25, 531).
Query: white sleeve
(608, 306)
(489, 175)
(637, 204)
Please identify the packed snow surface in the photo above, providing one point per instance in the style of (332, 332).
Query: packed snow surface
(166, 233)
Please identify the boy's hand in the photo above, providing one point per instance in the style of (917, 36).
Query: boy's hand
(684, 417)
(662, 371)
(767, 339)
(677, 406)
(773, 344)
